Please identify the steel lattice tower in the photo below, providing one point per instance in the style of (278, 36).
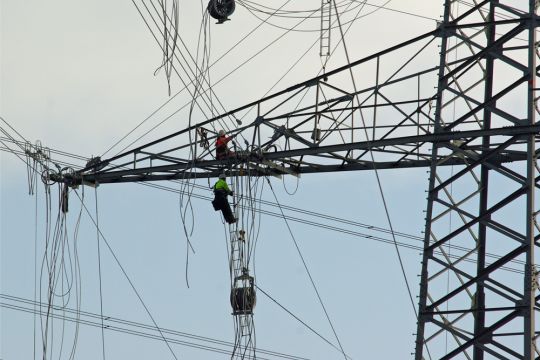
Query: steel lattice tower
(470, 306)
(478, 283)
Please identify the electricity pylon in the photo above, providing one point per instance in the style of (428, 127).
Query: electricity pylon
(487, 79)
(477, 133)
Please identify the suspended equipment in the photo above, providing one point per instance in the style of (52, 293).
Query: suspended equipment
(242, 295)
(221, 9)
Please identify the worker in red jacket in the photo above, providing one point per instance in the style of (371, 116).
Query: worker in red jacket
(222, 150)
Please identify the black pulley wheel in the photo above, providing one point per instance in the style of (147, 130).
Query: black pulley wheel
(243, 300)
(221, 9)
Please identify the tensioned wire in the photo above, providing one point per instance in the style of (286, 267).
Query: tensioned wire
(101, 235)
(139, 333)
(285, 13)
(115, 320)
(219, 81)
(195, 74)
(99, 272)
(309, 273)
(185, 87)
(307, 212)
(296, 14)
(359, 3)
(181, 90)
(175, 112)
(398, 253)
(304, 54)
(317, 223)
(173, 55)
(125, 273)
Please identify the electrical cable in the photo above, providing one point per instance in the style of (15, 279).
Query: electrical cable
(307, 270)
(122, 325)
(145, 335)
(99, 274)
(300, 320)
(327, 217)
(339, 229)
(376, 171)
(218, 82)
(298, 61)
(125, 274)
(168, 59)
(293, 14)
(362, 3)
(398, 253)
(185, 87)
(193, 95)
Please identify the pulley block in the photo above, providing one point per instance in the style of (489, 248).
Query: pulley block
(221, 9)
(243, 300)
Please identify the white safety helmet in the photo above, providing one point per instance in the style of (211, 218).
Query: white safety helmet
(221, 132)
(222, 176)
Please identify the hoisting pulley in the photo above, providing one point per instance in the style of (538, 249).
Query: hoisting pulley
(221, 9)
(243, 297)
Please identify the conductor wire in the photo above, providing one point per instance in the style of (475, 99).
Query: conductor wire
(299, 320)
(99, 272)
(307, 269)
(383, 199)
(127, 277)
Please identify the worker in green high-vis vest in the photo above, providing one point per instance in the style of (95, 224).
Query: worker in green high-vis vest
(220, 202)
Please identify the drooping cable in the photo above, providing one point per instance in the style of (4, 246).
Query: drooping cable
(217, 82)
(168, 49)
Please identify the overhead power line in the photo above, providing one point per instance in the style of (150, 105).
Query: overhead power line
(132, 328)
(316, 223)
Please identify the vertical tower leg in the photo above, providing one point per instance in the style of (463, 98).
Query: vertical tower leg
(478, 293)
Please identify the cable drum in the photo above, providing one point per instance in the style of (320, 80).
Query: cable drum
(243, 300)
(221, 9)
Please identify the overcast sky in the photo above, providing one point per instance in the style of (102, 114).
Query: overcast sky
(78, 76)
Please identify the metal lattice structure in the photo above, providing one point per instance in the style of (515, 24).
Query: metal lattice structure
(476, 310)
(477, 132)
(242, 244)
